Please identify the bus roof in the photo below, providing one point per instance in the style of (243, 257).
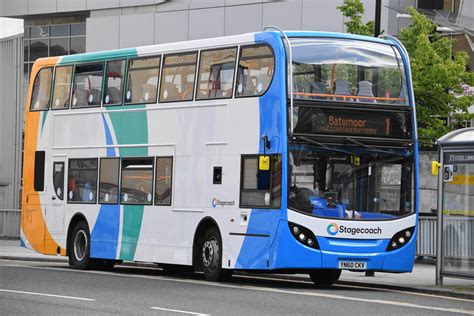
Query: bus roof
(201, 44)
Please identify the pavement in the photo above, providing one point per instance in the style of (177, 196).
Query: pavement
(421, 280)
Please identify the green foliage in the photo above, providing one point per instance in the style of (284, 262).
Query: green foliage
(437, 77)
(353, 10)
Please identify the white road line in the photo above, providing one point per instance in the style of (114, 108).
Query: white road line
(177, 311)
(49, 295)
(245, 287)
(359, 287)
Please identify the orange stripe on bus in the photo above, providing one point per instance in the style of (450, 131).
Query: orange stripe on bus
(33, 222)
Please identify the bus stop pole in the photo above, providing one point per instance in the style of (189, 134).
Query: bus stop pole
(439, 221)
(378, 9)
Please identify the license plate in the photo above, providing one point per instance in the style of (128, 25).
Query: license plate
(353, 265)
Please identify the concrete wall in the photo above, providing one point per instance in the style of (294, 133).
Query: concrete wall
(11, 61)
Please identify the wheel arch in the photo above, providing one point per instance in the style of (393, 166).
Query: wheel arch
(201, 229)
(78, 217)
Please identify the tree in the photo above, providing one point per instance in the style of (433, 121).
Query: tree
(437, 73)
(353, 10)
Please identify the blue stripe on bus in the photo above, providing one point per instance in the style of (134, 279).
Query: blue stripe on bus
(255, 251)
(105, 234)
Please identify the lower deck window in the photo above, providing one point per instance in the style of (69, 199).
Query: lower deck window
(260, 188)
(137, 181)
(82, 181)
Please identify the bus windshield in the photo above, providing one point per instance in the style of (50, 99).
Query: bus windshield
(347, 71)
(350, 183)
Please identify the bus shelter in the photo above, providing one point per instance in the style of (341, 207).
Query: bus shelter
(455, 243)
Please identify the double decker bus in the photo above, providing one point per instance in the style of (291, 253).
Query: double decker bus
(269, 151)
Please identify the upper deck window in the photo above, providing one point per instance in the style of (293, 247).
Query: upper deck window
(177, 82)
(142, 83)
(216, 74)
(114, 82)
(87, 89)
(41, 90)
(62, 87)
(347, 71)
(255, 72)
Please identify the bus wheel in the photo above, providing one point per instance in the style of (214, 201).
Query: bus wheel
(211, 256)
(79, 254)
(325, 277)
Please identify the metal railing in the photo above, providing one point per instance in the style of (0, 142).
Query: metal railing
(426, 240)
(10, 223)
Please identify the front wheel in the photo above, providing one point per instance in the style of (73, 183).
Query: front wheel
(79, 247)
(211, 257)
(325, 277)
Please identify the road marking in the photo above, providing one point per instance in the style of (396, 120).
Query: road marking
(302, 293)
(358, 287)
(49, 295)
(177, 311)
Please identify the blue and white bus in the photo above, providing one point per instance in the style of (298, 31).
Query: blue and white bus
(270, 151)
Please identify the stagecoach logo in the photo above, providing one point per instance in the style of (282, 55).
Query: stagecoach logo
(220, 203)
(333, 229)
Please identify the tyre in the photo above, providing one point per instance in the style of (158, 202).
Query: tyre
(103, 264)
(325, 277)
(211, 257)
(79, 247)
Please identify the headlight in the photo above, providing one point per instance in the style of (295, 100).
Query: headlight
(304, 235)
(400, 239)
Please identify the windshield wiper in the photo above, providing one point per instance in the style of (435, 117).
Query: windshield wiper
(378, 150)
(312, 141)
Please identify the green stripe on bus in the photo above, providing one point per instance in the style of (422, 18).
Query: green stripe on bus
(130, 128)
(79, 58)
(132, 222)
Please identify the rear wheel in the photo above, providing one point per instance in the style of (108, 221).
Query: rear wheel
(211, 256)
(79, 245)
(325, 277)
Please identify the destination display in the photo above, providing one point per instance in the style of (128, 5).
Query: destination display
(316, 120)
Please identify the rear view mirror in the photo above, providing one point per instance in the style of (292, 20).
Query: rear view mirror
(264, 163)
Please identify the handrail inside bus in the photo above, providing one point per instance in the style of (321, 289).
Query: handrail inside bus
(340, 96)
(290, 70)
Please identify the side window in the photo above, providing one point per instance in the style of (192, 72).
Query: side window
(114, 82)
(58, 179)
(255, 71)
(109, 180)
(163, 180)
(62, 87)
(137, 181)
(38, 182)
(260, 188)
(82, 181)
(87, 89)
(216, 74)
(142, 82)
(177, 78)
(41, 90)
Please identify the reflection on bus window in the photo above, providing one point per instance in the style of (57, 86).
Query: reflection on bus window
(114, 82)
(109, 180)
(347, 71)
(216, 74)
(82, 181)
(142, 83)
(137, 181)
(177, 81)
(87, 89)
(41, 90)
(255, 71)
(62, 87)
(163, 180)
